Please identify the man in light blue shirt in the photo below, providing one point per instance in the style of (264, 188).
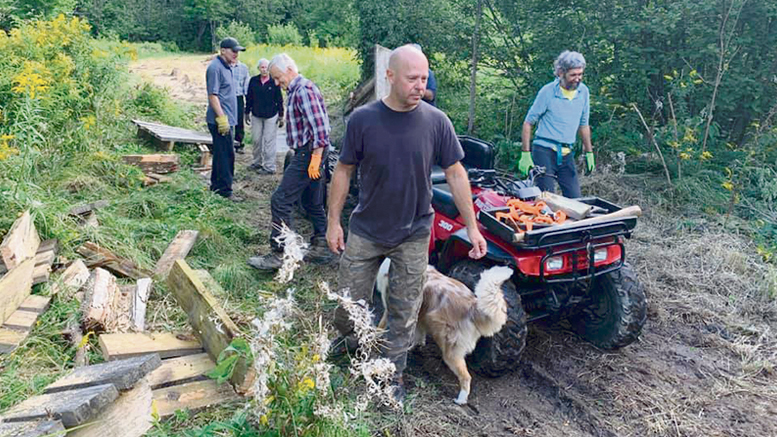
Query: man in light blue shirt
(560, 112)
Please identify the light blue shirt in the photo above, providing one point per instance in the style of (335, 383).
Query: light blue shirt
(220, 81)
(556, 117)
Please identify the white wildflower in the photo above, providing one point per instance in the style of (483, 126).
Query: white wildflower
(294, 249)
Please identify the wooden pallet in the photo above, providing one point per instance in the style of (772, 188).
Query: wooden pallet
(166, 136)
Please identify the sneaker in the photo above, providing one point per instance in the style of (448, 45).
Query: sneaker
(319, 253)
(235, 198)
(269, 262)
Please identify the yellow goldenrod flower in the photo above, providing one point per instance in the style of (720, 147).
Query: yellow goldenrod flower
(264, 421)
(705, 156)
(727, 185)
(685, 155)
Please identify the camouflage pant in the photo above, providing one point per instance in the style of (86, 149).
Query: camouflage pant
(358, 271)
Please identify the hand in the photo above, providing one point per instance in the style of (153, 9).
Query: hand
(525, 164)
(314, 169)
(334, 237)
(590, 162)
(479, 246)
(280, 121)
(223, 124)
(248, 119)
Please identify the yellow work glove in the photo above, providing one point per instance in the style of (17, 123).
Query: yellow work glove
(314, 169)
(223, 124)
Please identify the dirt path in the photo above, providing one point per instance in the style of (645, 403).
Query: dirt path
(704, 365)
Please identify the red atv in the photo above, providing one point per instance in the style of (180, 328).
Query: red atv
(578, 274)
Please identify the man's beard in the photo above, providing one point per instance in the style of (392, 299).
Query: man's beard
(570, 86)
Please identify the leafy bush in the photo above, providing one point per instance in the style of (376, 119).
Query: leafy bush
(240, 31)
(283, 35)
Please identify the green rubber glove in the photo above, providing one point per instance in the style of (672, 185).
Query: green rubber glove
(525, 163)
(590, 162)
(223, 124)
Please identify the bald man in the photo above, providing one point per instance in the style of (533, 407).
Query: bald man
(395, 142)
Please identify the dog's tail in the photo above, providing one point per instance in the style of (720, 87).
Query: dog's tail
(491, 305)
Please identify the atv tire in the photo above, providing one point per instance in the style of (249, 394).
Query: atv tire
(615, 311)
(497, 355)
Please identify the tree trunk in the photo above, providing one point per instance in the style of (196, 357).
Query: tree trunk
(473, 77)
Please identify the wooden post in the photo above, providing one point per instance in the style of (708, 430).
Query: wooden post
(15, 286)
(98, 305)
(178, 249)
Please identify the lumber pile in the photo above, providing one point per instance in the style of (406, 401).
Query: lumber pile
(158, 163)
(103, 400)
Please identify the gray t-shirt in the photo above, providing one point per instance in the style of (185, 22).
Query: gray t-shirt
(219, 80)
(395, 152)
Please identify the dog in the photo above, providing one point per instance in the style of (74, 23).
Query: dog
(454, 316)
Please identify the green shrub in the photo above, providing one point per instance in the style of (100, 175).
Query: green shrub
(283, 35)
(240, 31)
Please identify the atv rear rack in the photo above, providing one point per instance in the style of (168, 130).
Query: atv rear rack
(560, 235)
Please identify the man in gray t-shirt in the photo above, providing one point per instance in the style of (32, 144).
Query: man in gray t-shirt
(395, 142)
(221, 116)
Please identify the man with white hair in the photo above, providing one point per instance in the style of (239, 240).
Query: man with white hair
(307, 134)
(264, 111)
(560, 112)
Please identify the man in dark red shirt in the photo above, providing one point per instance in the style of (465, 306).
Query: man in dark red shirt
(307, 133)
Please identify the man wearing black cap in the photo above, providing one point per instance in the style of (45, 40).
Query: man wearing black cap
(222, 116)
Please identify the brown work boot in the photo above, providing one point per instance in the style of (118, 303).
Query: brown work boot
(319, 252)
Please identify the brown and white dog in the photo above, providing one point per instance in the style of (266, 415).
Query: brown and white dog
(454, 316)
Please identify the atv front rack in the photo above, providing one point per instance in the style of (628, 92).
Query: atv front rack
(559, 234)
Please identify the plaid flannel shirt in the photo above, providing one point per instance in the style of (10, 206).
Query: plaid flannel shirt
(306, 117)
(242, 76)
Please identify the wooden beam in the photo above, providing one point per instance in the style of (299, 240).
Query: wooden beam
(97, 256)
(178, 249)
(40, 428)
(46, 254)
(162, 164)
(19, 325)
(572, 208)
(129, 416)
(126, 345)
(15, 286)
(10, 339)
(211, 323)
(139, 300)
(192, 396)
(123, 374)
(183, 369)
(73, 407)
(35, 303)
(98, 306)
(21, 242)
(21, 320)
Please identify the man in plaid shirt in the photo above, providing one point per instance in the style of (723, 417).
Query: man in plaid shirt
(307, 133)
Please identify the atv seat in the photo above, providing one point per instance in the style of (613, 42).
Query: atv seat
(438, 175)
(477, 154)
(442, 201)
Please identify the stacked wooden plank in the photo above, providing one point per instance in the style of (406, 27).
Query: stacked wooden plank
(18, 310)
(104, 400)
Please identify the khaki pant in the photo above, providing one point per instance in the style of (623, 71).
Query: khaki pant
(263, 136)
(358, 271)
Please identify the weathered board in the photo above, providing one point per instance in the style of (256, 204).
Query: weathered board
(211, 323)
(97, 256)
(35, 303)
(161, 164)
(39, 428)
(175, 134)
(21, 322)
(21, 242)
(123, 374)
(129, 416)
(126, 345)
(46, 254)
(73, 278)
(178, 249)
(139, 300)
(178, 370)
(10, 339)
(73, 407)
(15, 286)
(192, 396)
(89, 207)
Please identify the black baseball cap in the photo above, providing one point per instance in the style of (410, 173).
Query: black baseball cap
(231, 43)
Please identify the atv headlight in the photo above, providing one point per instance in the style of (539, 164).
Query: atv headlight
(600, 254)
(554, 263)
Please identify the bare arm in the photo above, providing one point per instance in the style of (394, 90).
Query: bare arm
(526, 136)
(457, 179)
(215, 104)
(338, 192)
(585, 135)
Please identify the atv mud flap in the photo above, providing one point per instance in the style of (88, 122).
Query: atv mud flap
(457, 246)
